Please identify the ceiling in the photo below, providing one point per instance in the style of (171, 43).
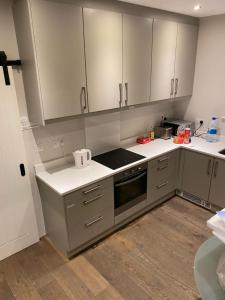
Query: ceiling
(209, 7)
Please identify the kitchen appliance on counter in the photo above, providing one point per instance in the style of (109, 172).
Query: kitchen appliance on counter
(82, 158)
(130, 192)
(178, 125)
(164, 133)
(117, 158)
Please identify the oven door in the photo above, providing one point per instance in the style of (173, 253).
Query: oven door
(130, 191)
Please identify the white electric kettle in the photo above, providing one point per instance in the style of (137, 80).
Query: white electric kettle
(82, 158)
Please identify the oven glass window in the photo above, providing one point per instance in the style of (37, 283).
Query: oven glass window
(133, 189)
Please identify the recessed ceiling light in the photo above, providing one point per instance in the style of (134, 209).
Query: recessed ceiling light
(197, 7)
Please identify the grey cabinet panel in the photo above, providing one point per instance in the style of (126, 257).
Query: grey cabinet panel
(80, 207)
(89, 212)
(217, 190)
(196, 174)
(137, 48)
(89, 192)
(51, 46)
(59, 46)
(162, 176)
(89, 228)
(163, 59)
(187, 36)
(103, 49)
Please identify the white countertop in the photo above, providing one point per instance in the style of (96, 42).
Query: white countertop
(66, 178)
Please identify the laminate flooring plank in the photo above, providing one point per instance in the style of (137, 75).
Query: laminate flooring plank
(53, 291)
(5, 291)
(86, 272)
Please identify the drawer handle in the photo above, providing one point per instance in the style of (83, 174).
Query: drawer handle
(86, 202)
(70, 206)
(94, 221)
(163, 159)
(92, 190)
(162, 167)
(162, 185)
(209, 167)
(216, 169)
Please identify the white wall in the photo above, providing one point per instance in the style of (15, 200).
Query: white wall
(209, 85)
(99, 132)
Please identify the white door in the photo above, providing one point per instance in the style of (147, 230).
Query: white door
(103, 49)
(185, 59)
(137, 48)
(18, 228)
(163, 59)
(59, 45)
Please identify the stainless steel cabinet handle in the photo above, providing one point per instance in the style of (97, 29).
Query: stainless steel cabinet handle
(92, 190)
(86, 202)
(84, 96)
(162, 185)
(209, 167)
(176, 86)
(121, 94)
(162, 167)
(216, 169)
(100, 218)
(163, 159)
(70, 206)
(126, 89)
(172, 87)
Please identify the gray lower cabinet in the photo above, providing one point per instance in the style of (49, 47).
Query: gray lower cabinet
(217, 189)
(89, 212)
(74, 220)
(202, 179)
(162, 176)
(196, 174)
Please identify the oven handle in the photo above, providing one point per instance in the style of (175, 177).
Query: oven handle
(131, 180)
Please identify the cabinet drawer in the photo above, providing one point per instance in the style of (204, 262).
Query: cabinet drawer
(161, 188)
(162, 176)
(79, 206)
(89, 228)
(163, 167)
(85, 195)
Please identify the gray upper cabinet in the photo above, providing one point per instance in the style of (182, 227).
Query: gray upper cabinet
(163, 59)
(217, 189)
(196, 174)
(173, 59)
(137, 48)
(185, 59)
(51, 45)
(103, 50)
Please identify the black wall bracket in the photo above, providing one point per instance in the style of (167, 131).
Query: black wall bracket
(4, 63)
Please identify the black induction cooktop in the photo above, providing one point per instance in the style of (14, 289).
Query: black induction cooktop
(117, 158)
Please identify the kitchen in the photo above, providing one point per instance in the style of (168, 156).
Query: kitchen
(127, 67)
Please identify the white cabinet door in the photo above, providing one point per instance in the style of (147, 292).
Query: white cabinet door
(137, 48)
(59, 46)
(18, 228)
(103, 48)
(163, 59)
(185, 59)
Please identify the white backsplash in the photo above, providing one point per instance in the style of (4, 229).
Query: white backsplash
(102, 132)
(99, 132)
(60, 138)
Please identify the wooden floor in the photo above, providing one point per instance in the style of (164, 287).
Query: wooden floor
(152, 258)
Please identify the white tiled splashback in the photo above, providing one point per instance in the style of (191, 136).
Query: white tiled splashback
(100, 132)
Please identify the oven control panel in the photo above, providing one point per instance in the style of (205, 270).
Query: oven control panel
(131, 172)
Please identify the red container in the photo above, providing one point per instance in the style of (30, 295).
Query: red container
(143, 140)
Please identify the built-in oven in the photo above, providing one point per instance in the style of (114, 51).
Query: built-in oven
(130, 191)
